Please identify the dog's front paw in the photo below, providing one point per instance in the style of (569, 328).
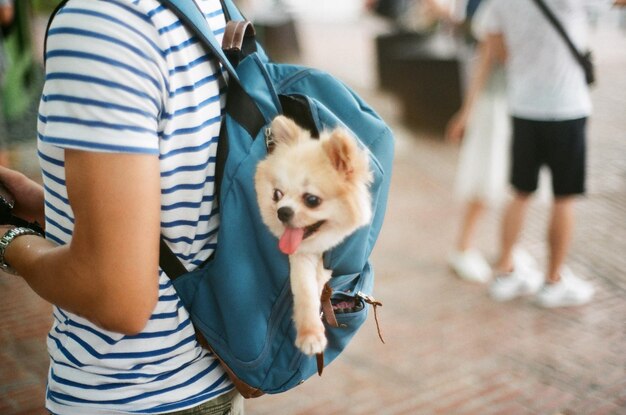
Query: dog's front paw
(311, 341)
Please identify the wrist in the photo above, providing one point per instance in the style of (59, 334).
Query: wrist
(6, 240)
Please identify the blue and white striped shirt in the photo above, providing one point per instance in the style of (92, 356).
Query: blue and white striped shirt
(125, 76)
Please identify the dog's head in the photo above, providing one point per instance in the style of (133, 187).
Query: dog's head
(313, 193)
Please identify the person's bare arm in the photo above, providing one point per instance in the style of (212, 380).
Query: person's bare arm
(491, 50)
(109, 272)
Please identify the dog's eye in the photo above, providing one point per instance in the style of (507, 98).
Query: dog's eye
(277, 195)
(311, 200)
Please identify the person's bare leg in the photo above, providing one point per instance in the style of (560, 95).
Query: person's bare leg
(559, 235)
(473, 212)
(512, 223)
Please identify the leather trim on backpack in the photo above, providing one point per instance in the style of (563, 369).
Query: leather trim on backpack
(239, 40)
(242, 387)
(235, 33)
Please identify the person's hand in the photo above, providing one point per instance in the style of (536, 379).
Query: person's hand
(455, 129)
(28, 195)
(620, 3)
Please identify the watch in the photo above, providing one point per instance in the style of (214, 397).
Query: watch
(8, 237)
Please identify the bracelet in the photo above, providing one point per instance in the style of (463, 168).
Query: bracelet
(8, 237)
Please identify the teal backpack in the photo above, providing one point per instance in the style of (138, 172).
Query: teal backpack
(240, 301)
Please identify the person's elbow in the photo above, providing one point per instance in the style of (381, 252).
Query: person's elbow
(127, 310)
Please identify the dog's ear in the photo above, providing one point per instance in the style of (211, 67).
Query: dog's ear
(285, 130)
(345, 155)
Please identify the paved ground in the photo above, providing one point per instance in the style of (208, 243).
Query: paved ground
(450, 349)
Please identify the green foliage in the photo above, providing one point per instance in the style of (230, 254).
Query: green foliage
(44, 6)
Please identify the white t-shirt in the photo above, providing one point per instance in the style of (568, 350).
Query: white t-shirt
(126, 76)
(545, 82)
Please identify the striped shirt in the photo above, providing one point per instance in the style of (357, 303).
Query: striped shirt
(125, 76)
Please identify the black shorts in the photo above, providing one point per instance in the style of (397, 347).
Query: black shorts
(560, 145)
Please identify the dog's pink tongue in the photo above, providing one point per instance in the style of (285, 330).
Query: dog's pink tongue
(290, 241)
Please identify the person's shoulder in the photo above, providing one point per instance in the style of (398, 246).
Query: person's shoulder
(143, 9)
(489, 4)
(488, 11)
(140, 15)
(130, 25)
(495, 9)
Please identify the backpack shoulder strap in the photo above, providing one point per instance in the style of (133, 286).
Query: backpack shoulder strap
(245, 111)
(239, 104)
(189, 13)
(232, 12)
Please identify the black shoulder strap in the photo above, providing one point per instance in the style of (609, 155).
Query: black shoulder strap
(559, 28)
(52, 15)
(169, 262)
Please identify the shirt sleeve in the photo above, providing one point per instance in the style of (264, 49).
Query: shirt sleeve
(105, 82)
(487, 19)
(459, 10)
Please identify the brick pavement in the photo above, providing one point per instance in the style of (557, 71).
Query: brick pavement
(450, 349)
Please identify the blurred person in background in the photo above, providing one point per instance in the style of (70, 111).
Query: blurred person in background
(6, 19)
(549, 102)
(483, 129)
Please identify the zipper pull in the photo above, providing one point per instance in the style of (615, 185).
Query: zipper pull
(369, 299)
(269, 139)
(374, 303)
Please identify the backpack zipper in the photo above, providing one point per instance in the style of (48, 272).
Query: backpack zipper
(269, 139)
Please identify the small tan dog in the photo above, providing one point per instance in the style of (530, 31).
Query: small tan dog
(312, 194)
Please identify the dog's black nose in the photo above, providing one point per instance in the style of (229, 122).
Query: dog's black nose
(285, 214)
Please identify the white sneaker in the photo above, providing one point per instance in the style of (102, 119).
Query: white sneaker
(525, 279)
(470, 265)
(569, 291)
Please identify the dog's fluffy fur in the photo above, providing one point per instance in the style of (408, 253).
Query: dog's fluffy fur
(312, 194)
